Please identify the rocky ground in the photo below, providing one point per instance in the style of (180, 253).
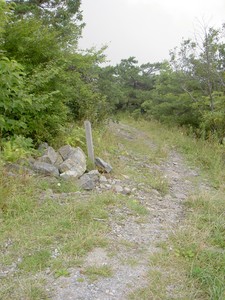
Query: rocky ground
(133, 238)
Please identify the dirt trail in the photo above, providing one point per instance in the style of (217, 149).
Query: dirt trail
(132, 240)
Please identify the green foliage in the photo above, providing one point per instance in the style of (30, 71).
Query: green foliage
(31, 42)
(4, 17)
(29, 106)
(188, 90)
(64, 16)
(201, 77)
(16, 148)
(44, 83)
(79, 87)
(13, 100)
(48, 113)
(127, 85)
(76, 136)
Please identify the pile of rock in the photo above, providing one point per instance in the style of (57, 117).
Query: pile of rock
(69, 163)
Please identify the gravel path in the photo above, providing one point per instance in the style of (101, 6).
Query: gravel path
(132, 239)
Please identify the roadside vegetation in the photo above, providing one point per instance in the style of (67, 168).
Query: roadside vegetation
(40, 234)
(192, 261)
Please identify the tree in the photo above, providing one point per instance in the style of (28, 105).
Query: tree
(199, 62)
(64, 16)
(200, 65)
(135, 81)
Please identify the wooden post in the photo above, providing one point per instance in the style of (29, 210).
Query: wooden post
(89, 141)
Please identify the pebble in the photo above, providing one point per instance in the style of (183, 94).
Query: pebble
(126, 191)
(118, 188)
(102, 179)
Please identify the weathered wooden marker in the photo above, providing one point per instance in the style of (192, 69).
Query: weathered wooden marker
(90, 147)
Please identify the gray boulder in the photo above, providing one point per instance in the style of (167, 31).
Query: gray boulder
(86, 183)
(59, 160)
(65, 151)
(50, 156)
(45, 168)
(75, 160)
(102, 165)
(89, 180)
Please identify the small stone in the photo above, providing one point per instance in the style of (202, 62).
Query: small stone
(89, 180)
(86, 182)
(108, 186)
(180, 196)
(126, 191)
(102, 179)
(48, 271)
(118, 188)
(94, 175)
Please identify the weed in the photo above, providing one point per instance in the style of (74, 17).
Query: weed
(62, 272)
(35, 262)
(24, 288)
(130, 261)
(18, 147)
(93, 272)
(57, 185)
(136, 207)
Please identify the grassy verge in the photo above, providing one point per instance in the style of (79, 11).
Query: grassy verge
(192, 262)
(42, 236)
(208, 156)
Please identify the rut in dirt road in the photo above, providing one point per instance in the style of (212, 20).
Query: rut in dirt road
(133, 238)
